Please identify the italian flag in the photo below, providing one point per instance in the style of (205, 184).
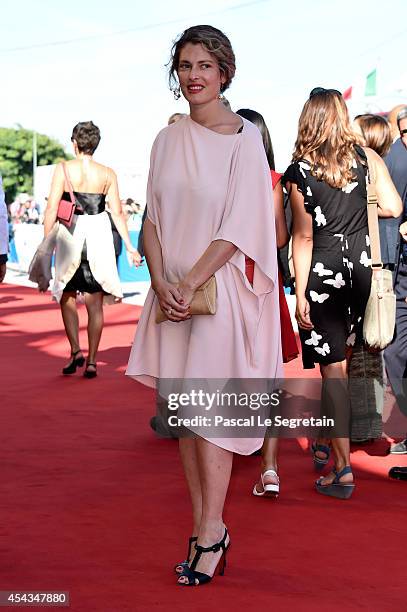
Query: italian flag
(370, 86)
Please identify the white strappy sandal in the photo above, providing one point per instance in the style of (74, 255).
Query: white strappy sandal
(270, 489)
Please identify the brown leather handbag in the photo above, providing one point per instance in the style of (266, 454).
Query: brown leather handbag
(203, 302)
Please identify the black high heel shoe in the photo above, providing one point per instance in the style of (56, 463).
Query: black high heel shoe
(90, 373)
(75, 363)
(197, 578)
(179, 569)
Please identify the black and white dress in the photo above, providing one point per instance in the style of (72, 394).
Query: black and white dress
(85, 259)
(340, 275)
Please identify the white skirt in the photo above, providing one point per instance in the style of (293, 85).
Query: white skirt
(96, 230)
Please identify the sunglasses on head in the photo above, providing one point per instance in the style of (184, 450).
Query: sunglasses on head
(321, 90)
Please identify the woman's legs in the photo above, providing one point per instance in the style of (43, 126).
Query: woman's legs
(94, 306)
(70, 319)
(188, 452)
(215, 467)
(337, 373)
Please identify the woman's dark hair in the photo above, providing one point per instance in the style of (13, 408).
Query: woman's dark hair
(215, 42)
(259, 122)
(87, 137)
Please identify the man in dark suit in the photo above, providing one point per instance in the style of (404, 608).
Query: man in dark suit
(396, 162)
(394, 252)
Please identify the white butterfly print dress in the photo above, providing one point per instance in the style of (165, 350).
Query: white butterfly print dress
(340, 274)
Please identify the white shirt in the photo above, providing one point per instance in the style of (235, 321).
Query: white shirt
(3, 222)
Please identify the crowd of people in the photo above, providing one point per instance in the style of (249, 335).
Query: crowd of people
(216, 308)
(24, 209)
(196, 229)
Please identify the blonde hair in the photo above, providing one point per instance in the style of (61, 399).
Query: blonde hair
(325, 138)
(376, 133)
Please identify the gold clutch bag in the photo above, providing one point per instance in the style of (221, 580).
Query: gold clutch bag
(203, 302)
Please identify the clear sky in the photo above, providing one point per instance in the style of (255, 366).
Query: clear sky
(113, 72)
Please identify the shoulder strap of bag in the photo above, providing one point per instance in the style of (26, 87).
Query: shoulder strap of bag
(68, 182)
(373, 219)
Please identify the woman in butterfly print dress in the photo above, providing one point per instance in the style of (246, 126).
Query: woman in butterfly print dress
(331, 253)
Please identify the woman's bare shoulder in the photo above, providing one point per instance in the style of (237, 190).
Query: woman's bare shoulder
(102, 168)
(372, 156)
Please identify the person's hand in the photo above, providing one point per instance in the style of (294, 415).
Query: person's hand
(135, 256)
(186, 291)
(302, 313)
(403, 230)
(2, 272)
(171, 301)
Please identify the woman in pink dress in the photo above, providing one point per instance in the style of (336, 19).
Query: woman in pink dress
(210, 204)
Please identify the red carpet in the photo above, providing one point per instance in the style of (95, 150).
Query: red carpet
(94, 504)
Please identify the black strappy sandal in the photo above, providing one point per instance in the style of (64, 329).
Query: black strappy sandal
(178, 569)
(90, 373)
(75, 363)
(197, 578)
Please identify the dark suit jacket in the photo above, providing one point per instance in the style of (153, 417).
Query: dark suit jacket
(396, 162)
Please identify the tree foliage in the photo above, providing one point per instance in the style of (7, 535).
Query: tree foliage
(16, 158)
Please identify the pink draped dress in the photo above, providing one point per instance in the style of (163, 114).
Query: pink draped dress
(205, 186)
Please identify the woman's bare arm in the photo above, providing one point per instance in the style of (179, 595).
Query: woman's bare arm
(118, 217)
(168, 294)
(302, 253)
(215, 256)
(282, 236)
(389, 201)
(153, 253)
(54, 198)
(176, 298)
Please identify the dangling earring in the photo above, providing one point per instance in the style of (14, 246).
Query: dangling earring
(177, 93)
(221, 97)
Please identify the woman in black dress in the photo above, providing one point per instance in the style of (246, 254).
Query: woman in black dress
(331, 253)
(85, 257)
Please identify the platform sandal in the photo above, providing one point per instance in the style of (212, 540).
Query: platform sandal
(270, 489)
(340, 490)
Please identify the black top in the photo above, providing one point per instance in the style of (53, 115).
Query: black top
(339, 278)
(87, 203)
(334, 211)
